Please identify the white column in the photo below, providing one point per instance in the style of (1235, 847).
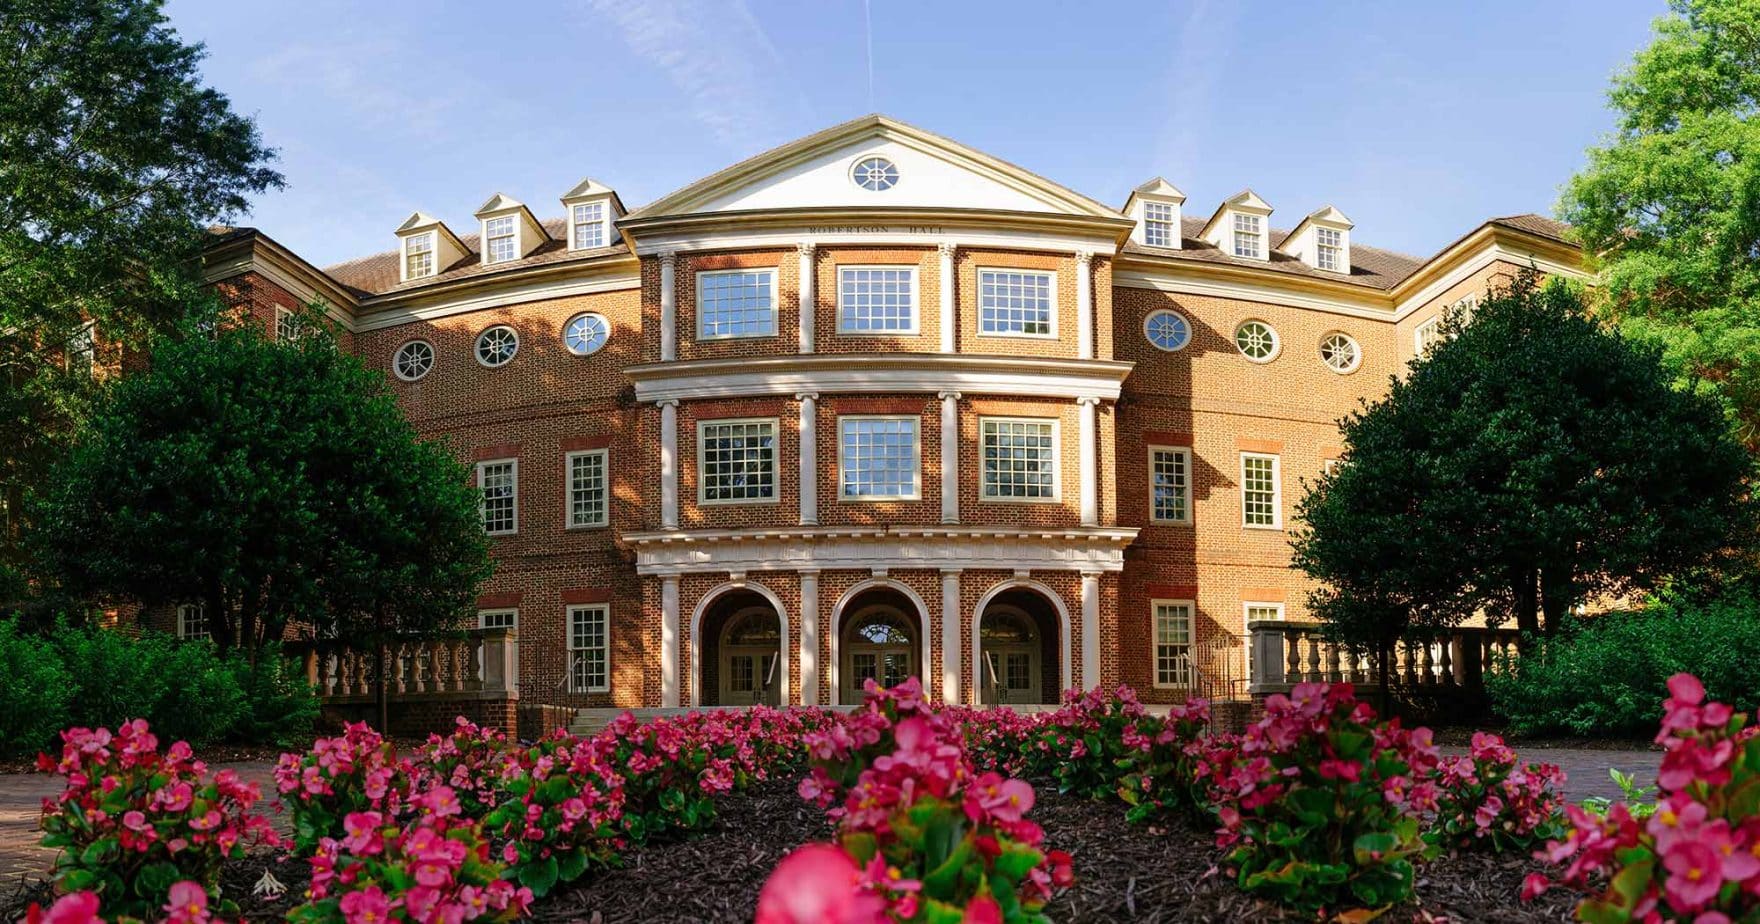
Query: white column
(950, 457)
(950, 625)
(948, 321)
(1090, 629)
(1084, 305)
(668, 307)
(669, 464)
(809, 458)
(809, 638)
(809, 297)
(669, 640)
(1087, 456)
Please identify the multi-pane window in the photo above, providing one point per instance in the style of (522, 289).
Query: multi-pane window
(1015, 303)
(1339, 352)
(1170, 488)
(286, 326)
(1020, 459)
(1256, 341)
(1249, 236)
(1427, 336)
(1017, 671)
(418, 255)
(1158, 224)
(736, 303)
(736, 461)
(82, 349)
(586, 488)
(413, 360)
(1260, 491)
(876, 300)
(589, 648)
(1328, 248)
(589, 224)
(192, 622)
(1167, 330)
(498, 619)
(502, 238)
(1173, 643)
(1261, 612)
(499, 482)
(877, 458)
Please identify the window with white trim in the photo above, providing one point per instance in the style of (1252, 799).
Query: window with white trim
(877, 458)
(1170, 487)
(876, 300)
(1340, 352)
(1167, 330)
(418, 255)
(1257, 341)
(736, 303)
(1426, 336)
(498, 619)
(589, 648)
(501, 239)
(1261, 491)
(586, 488)
(82, 349)
(1016, 303)
(413, 360)
(1262, 612)
(1020, 458)
(1158, 224)
(1173, 643)
(496, 346)
(588, 219)
(1249, 236)
(1328, 249)
(499, 481)
(286, 326)
(736, 461)
(192, 622)
(585, 333)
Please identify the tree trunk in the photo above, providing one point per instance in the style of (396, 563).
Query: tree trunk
(1555, 601)
(219, 620)
(380, 695)
(1384, 691)
(1527, 602)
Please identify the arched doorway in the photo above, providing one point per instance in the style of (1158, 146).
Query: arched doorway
(1020, 649)
(879, 637)
(741, 662)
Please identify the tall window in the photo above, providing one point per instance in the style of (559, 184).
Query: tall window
(192, 622)
(501, 238)
(286, 326)
(1170, 472)
(1020, 459)
(877, 458)
(1427, 336)
(499, 482)
(1249, 236)
(1158, 224)
(736, 461)
(876, 300)
(1173, 643)
(1016, 303)
(418, 255)
(1260, 492)
(736, 303)
(82, 349)
(586, 488)
(589, 224)
(1328, 248)
(589, 648)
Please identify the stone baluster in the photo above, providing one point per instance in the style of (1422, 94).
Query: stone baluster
(1411, 674)
(1334, 673)
(1292, 647)
(1446, 668)
(1314, 675)
(1428, 677)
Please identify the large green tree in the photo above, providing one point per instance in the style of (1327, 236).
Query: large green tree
(1669, 204)
(276, 482)
(114, 160)
(1534, 460)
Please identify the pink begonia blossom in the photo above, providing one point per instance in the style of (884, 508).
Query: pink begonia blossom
(1695, 874)
(188, 904)
(367, 906)
(817, 884)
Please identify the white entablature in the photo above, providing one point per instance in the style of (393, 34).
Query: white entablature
(880, 549)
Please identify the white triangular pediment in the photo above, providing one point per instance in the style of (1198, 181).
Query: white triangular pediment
(500, 202)
(1247, 200)
(1329, 215)
(417, 220)
(1159, 188)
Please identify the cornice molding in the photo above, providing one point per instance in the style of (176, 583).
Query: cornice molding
(512, 290)
(697, 231)
(924, 373)
(886, 549)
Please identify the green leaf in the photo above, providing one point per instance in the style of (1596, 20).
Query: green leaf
(944, 878)
(570, 864)
(540, 876)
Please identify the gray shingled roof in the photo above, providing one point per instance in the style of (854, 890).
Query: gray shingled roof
(379, 274)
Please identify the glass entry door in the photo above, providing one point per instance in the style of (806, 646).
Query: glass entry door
(879, 646)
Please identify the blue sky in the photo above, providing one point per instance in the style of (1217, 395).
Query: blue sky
(1417, 119)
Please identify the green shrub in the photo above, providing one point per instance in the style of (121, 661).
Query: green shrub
(1607, 675)
(280, 707)
(34, 692)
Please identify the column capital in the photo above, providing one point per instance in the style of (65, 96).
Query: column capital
(1091, 573)
(668, 580)
(949, 395)
(947, 248)
(805, 248)
(952, 572)
(666, 402)
(806, 396)
(1084, 257)
(1088, 401)
(668, 257)
(807, 572)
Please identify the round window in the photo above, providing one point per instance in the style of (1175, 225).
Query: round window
(1340, 353)
(1167, 330)
(496, 346)
(1257, 341)
(413, 360)
(875, 173)
(585, 333)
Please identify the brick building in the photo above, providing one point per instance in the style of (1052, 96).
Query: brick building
(874, 404)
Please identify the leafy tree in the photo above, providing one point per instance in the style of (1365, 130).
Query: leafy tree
(276, 482)
(114, 159)
(1533, 461)
(1669, 205)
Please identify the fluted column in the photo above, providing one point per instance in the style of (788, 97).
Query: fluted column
(809, 480)
(669, 464)
(1090, 629)
(809, 296)
(809, 637)
(1084, 305)
(950, 457)
(948, 321)
(950, 624)
(1088, 461)
(669, 641)
(668, 307)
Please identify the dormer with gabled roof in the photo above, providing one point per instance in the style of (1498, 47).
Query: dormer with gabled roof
(593, 210)
(1241, 226)
(1322, 240)
(426, 247)
(1155, 207)
(509, 230)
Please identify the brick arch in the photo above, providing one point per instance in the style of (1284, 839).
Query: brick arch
(702, 608)
(1065, 675)
(833, 666)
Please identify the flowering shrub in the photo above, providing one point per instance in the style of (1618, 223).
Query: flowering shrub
(1491, 799)
(1163, 775)
(1319, 803)
(1697, 858)
(563, 812)
(474, 761)
(134, 825)
(356, 772)
(188, 904)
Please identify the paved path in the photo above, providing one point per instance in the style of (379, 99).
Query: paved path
(1586, 768)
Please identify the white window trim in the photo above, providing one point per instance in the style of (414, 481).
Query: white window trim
(978, 285)
(1338, 249)
(1356, 353)
(1262, 236)
(1056, 470)
(477, 341)
(775, 462)
(518, 239)
(434, 359)
(486, 463)
(1149, 465)
(498, 611)
(1171, 223)
(182, 628)
(568, 621)
(916, 301)
(433, 239)
(916, 460)
(604, 224)
(282, 315)
(775, 301)
(1247, 606)
(1181, 315)
(568, 488)
(1155, 643)
(1276, 490)
(1276, 341)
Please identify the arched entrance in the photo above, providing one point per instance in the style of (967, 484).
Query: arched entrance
(879, 637)
(1020, 648)
(741, 662)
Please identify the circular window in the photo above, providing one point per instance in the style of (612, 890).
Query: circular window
(413, 360)
(1167, 330)
(875, 173)
(1340, 353)
(1257, 341)
(496, 346)
(585, 333)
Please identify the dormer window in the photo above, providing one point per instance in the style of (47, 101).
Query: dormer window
(1158, 220)
(418, 255)
(1249, 236)
(1328, 249)
(427, 247)
(589, 224)
(501, 239)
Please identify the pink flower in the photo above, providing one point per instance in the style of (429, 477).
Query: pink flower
(367, 906)
(134, 821)
(1695, 874)
(817, 884)
(188, 905)
(1535, 886)
(78, 908)
(1004, 800)
(982, 910)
